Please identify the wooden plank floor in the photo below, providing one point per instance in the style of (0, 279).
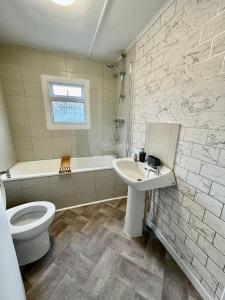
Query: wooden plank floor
(91, 258)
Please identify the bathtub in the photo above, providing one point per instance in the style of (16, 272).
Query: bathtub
(91, 179)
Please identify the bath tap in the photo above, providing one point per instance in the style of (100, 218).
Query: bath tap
(6, 172)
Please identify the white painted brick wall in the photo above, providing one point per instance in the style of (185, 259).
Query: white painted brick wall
(181, 78)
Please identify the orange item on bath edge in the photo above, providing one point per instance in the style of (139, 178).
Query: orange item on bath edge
(65, 165)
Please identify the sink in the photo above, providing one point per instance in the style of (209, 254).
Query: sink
(140, 178)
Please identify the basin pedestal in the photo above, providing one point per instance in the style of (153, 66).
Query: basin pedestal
(134, 212)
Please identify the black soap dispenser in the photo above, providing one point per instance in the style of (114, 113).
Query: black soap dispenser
(142, 155)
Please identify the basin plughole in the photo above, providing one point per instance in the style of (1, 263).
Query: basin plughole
(140, 178)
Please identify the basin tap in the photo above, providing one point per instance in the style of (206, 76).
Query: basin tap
(6, 172)
(157, 171)
(148, 172)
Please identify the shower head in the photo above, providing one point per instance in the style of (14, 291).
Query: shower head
(115, 67)
(110, 65)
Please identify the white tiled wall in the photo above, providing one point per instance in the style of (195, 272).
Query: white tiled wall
(20, 69)
(180, 77)
(7, 149)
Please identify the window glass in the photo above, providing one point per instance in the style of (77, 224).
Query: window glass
(66, 102)
(68, 112)
(67, 90)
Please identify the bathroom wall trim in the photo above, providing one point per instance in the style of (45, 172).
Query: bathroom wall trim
(181, 264)
(157, 15)
(95, 202)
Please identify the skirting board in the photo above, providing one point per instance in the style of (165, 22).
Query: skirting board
(180, 263)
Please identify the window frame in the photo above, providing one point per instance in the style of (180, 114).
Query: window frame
(46, 81)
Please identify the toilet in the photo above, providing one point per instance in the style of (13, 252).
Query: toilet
(29, 225)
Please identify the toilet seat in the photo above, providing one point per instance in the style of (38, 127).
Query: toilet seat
(47, 207)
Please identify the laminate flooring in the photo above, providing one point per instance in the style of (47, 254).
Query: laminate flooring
(92, 258)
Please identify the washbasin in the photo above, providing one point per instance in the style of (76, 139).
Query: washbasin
(141, 177)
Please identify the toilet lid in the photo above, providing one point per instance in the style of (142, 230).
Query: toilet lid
(39, 211)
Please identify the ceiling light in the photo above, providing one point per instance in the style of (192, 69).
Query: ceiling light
(63, 2)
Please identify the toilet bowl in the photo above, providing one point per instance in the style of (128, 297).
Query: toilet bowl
(29, 228)
(29, 225)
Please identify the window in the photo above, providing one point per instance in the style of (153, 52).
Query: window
(66, 102)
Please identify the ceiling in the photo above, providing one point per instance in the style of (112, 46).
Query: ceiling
(96, 28)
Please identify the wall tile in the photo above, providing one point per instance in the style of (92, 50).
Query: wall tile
(190, 163)
(188, 229)
(181, 211)
(34, 103)
(32, 89)
(216, 139)
(216, 271)
(209, 203)
(219, 243)
(211, 281)
(18, 116)
(180, 173)
(36, 117)
(176, 229)
(199, 182)
(195, 135)
(193, 207)
(184, 250)
(218, 192)
(31, 73)
(212, 120)
(214, 27)
(9, 71)
(16, 103)
(23, 143)
(202, 228)
(205, 153)
(20, 129)
(9, 54)
(210, 67)
(25, 155)
(171, 214)
(32, 58)
(221, 160)
(217, 224)
(186, 189)
(198, 53)
(187, 87)
(212, 252)
(216, 173)
(21, 68)
(44, 153)
(218, 45)
(202, 257)
(222, 5)
(54, 61)
(13, 88)
(169, 13)
(41, 142)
